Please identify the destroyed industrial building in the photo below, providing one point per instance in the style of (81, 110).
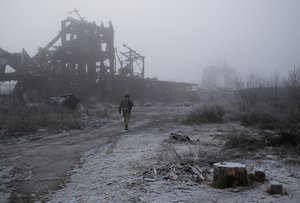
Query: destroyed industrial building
(83, 60)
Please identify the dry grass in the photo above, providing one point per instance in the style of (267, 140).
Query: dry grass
(271, 117)
(244, 140)
(18, 117)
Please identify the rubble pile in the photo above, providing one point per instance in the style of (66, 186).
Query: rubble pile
(178, 172)
(69, 101)
(175, 137)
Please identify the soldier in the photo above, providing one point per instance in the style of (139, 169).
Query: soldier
(126, 106)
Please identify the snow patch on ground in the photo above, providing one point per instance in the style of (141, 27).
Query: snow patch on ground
(114, 174)
(110, 174)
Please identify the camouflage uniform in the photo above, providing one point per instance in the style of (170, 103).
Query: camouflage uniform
(126, 106)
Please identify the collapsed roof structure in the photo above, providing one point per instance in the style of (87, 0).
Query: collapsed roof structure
(82, 59)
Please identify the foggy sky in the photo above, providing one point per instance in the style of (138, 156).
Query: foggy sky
(178, 37)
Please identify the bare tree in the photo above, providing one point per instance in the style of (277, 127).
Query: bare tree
(293, 84)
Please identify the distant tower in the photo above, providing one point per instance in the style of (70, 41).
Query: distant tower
(219, 77)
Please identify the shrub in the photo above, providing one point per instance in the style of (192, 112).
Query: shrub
(269, 116)
(244, 140)
(206, 114)
(262, 115)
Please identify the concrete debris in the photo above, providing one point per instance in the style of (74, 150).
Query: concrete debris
(69, 101)
(275, 188)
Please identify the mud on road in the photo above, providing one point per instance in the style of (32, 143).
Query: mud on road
(108, 164)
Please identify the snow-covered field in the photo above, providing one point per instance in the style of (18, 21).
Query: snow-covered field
(109, 164)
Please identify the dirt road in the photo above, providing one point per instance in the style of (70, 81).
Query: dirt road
(108, 164)
(33, 165)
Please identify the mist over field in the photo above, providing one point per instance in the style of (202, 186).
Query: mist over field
(150, 101)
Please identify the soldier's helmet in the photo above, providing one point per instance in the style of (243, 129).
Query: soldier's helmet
(126, 94)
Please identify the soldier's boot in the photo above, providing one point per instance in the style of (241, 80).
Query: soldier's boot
(126, 127)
